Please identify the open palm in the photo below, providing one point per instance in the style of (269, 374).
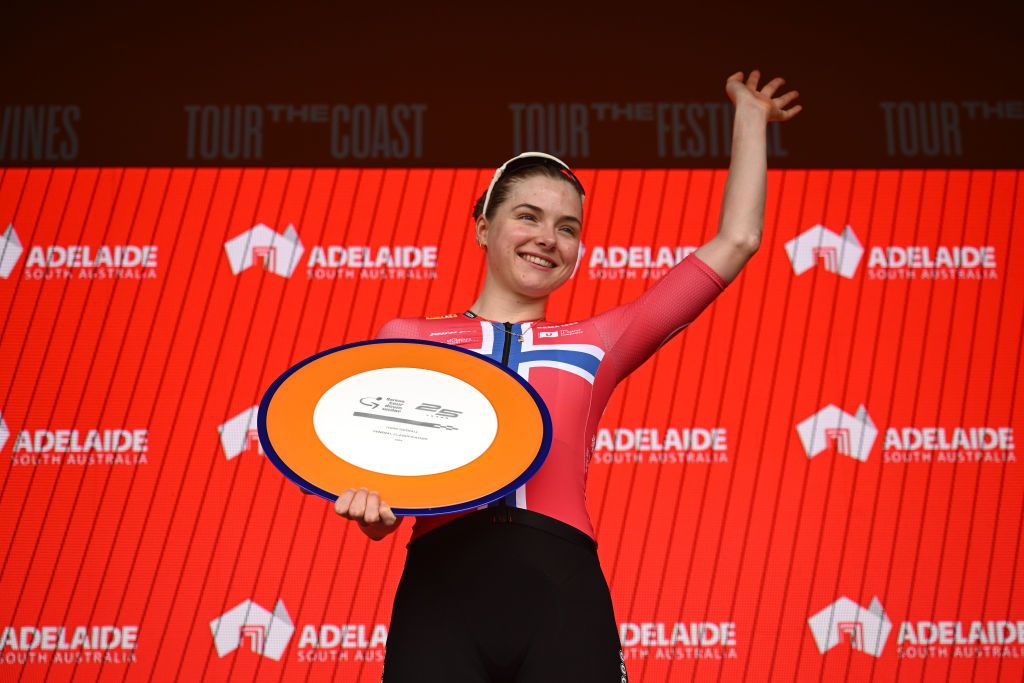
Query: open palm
(743, 93)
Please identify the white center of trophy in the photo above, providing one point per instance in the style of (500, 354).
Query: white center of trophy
(405, 421)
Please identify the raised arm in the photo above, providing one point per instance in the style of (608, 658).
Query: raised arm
(742, 216)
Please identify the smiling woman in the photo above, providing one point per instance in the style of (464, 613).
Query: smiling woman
(513, 591)
(528, 222)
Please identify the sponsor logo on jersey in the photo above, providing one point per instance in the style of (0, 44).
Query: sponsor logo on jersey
(263, 632)
(469, 336)
(634, 262)
(868, 629)
(239, 434)
(657, 445)
(554, 331)
(842, 254)
(442, 317)
(60, 644)
(678, 640)
(855, 435)
(76, 446)
(555, 334)
(77, 261)
(461, 341)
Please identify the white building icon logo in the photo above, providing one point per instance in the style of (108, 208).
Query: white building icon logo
(10, 251)
(839, 253)
(4, 432)
(865, 629)
(266, 633)
(853, 435)
(279, 253)
(239, 434)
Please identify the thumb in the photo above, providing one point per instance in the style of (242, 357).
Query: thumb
(386, 514)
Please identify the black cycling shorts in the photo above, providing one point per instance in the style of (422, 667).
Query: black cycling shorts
(503, 594)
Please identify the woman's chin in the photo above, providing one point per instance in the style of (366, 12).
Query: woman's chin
(539, 290)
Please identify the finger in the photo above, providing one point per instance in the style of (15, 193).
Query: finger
(344, 501)
(738, 76)
(772, 85)
(372, 513)
(790, 113)
(386, 515)
(782, 100)
(358, 506)
(755, 76)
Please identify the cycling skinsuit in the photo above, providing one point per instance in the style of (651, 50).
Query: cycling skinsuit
(485, 600)
(574, 367)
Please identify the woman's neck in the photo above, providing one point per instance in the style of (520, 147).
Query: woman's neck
(504, 306)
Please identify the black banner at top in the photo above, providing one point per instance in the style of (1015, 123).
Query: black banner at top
(352, 87)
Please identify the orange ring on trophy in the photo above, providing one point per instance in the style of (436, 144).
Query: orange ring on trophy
(432, 428)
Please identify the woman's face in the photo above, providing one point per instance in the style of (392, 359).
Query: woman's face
(534, 239)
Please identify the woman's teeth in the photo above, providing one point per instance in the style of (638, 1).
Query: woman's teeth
(539, 261)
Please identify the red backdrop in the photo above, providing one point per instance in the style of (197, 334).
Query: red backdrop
(157, 532)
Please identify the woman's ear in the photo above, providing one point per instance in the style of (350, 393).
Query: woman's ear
(481, 231)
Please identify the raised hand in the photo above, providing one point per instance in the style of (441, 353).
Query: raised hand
(745, 93)
(374, 516)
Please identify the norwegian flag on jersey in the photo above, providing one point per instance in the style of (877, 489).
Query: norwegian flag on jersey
(524, 347)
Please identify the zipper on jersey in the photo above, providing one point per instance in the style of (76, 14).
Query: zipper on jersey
(508, 344)
(506, 349)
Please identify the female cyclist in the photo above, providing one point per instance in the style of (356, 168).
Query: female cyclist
(514, 591)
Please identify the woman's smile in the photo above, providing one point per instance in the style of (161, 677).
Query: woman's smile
(537, 261)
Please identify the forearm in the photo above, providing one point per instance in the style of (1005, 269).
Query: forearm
(742, 216)
(378, 530)
(375, 532)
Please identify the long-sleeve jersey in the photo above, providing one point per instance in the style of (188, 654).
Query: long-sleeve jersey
(574, 367)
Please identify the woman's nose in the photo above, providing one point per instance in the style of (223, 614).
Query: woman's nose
(545, 237)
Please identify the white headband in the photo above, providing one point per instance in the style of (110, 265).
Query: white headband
(527, 155)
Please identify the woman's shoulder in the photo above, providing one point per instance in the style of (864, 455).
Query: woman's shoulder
(397, 327)
(411, 328)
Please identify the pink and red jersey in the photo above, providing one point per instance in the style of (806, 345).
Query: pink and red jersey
(574, 367)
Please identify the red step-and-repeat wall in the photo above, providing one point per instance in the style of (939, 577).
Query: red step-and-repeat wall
(817, 480)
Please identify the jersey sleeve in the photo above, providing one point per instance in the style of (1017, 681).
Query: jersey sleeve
(399, 328)
(634, 331)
